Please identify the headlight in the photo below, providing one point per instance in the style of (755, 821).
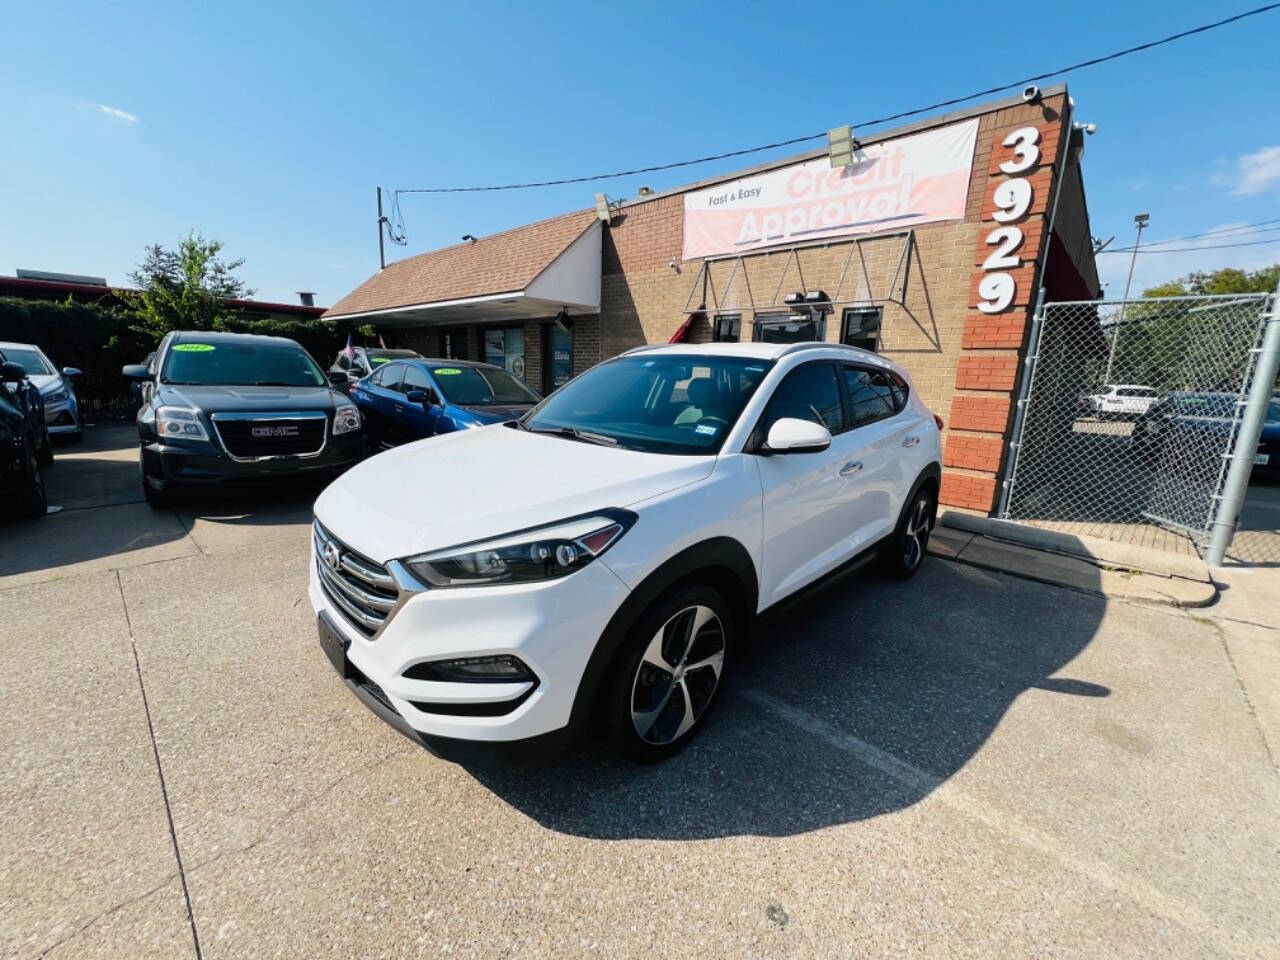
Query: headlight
(56, 396)
(543, 553)
(345, 418)
(179, 422)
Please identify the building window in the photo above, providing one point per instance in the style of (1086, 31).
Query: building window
(504, 347)
(727, 328)
(860, 327)
(557, 357)
(793, 326)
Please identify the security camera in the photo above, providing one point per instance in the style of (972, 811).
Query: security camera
(1030, 93)
(1089, 128)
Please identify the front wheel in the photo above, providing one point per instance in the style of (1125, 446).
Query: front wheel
(31, 500)
(905, 551)
(670, 669)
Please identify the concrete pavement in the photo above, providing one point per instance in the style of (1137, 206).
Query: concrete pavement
(968, 764)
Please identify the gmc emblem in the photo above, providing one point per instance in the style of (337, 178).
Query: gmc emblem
(285, 431)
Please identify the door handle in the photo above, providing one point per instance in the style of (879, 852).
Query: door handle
(850, 468)
(910, 441)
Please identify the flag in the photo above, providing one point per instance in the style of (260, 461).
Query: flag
(381, 342)
(350, 351)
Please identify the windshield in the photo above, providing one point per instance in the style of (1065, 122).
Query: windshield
(664, 404)
(238, 364)
(28, 359)
(480, 386)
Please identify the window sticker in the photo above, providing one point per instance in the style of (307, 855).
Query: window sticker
(706, 428)
(446, 371)
(378, 361)
(193, 347)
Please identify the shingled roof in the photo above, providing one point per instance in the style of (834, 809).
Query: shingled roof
(500, 263)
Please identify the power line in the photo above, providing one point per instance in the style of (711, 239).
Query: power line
(1216, 246)
(1237, 229)
(1204, 28)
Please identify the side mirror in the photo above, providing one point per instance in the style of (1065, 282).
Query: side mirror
(13, 372)
(792, 435)
(338, 378)
(136, 371)
(72, 372)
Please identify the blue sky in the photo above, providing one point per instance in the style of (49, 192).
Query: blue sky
(268, 126)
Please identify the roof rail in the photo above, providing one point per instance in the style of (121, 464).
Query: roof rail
(642, 348)
(817, 345)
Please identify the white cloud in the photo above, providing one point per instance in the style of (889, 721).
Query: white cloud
(119, 114)
(1255, 173)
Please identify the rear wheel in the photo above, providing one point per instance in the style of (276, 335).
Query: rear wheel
(906, 550)
(31, 500)
(670, 671)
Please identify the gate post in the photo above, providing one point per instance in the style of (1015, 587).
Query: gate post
(1020, 405)
(1255, 412)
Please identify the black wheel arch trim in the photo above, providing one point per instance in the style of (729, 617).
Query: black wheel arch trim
(716, 553)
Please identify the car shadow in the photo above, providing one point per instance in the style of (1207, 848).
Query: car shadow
(857, 701)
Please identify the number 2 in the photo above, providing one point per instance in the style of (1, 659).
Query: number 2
(1006, 240)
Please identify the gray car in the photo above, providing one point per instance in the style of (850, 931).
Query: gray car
(57, 387)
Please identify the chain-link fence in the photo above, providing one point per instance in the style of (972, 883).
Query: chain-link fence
(1132, 411)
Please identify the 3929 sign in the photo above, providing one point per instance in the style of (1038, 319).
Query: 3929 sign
(1012, 199)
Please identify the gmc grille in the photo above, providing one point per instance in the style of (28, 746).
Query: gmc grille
(251, 436)
(363, 590)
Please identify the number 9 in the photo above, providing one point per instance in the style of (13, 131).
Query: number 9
(996, 291)
(1012, 199)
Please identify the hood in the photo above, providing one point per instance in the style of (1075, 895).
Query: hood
(248, 399)
(495, 413)
(45, 382)
(473, 484)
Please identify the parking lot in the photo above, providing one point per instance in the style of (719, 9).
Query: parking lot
(967, 764)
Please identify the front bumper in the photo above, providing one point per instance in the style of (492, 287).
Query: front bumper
(552, 627)
(204, 463)
(62, 417)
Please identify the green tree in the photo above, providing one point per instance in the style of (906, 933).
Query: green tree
(184, 289)
(1226, 280)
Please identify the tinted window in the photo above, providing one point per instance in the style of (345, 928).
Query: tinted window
(811, 392)
(389, 377)
(664, 404)
(873, 394)
(792, 328)
(240, 363)
(415, 378)
(478, 386)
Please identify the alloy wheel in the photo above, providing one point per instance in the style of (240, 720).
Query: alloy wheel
(916, 535)
(677, 675)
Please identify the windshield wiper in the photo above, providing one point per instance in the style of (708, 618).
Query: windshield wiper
(573, 433)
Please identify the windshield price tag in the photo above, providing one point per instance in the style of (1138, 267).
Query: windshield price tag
(193, 347)
(447, 372)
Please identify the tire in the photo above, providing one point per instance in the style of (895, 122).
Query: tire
(158, 498)
(905, 553)
(654, 688)
(31, 501)
(45, 455)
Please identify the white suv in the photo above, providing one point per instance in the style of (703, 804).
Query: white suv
(490, 591)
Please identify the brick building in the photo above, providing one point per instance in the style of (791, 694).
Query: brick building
(929, 248)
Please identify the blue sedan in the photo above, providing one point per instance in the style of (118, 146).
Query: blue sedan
(410, 399)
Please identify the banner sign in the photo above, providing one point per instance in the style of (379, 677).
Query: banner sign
(922, 178)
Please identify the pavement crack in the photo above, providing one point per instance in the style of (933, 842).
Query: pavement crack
(1244, 691)
(155, 750)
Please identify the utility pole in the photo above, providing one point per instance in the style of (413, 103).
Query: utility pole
(1140, 221)
(382, 253)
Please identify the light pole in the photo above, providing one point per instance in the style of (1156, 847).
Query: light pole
(1140, 221)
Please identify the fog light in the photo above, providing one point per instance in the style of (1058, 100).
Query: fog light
(502, 668)
(566, 555)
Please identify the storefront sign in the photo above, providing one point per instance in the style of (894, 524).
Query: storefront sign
(922, 178)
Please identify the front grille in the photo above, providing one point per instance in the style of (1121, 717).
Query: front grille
(362, 589)
(251, 436)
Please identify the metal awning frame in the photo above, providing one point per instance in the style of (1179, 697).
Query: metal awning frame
(895, 293)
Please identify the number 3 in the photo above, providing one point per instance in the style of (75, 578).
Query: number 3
(1026, 153)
